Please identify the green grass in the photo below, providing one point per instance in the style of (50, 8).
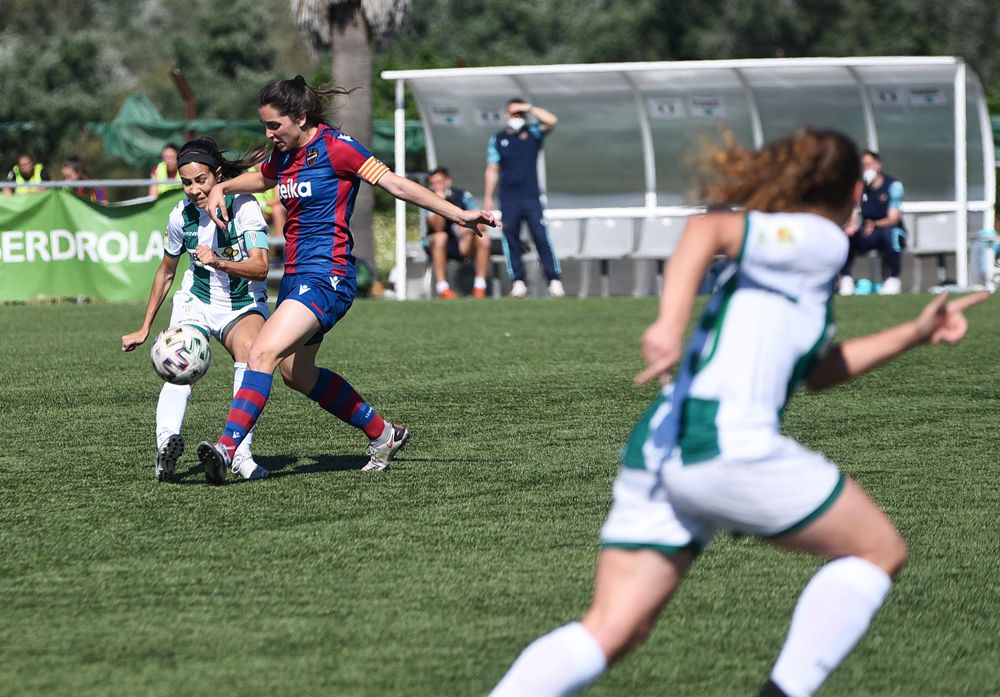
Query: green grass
(429, 579)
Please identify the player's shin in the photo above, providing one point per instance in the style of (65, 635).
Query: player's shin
(831, 616)
(559, 664)
(335, 395)
(248, 403)
(170, 411)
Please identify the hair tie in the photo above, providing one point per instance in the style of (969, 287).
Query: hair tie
(203, 158)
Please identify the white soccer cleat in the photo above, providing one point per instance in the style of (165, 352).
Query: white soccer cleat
(216, 461)
(244, 465)
(556, 289)
(167, 456)
(382, 454)
(846, 286)
(892, 286)
(518, 290)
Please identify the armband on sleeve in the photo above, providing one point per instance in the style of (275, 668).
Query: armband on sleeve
(372, 170)
(255, 239)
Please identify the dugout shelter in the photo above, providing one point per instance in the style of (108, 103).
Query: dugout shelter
(616, 172)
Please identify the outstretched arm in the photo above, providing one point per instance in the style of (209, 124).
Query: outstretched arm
(939, 322)
(704, 237)
(246, 183)
(403, 188)
(162, 281)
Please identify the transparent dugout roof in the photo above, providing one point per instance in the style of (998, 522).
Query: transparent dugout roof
(627, 131)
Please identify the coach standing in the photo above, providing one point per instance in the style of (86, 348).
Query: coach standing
(512, 160)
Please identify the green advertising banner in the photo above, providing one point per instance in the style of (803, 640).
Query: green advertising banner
(57, 245)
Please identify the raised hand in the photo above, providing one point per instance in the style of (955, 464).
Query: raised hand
(944, 322)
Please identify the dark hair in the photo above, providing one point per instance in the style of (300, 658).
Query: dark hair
(206, 151)
(515, 100)
(294, 97)
(871, 153)
(170, 145)
(812, 167)
(439, 170)
(75, 164)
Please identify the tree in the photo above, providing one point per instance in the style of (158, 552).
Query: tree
(350, 28)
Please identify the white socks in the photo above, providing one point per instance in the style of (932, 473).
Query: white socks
(559, 664)
(831, 616)
(244, 448)
(480, 282)
(170, 411)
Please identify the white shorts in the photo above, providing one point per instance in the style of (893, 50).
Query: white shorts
(216, 321)
(683, 506)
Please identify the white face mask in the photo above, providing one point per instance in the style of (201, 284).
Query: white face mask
(515, 123)
(869, 175)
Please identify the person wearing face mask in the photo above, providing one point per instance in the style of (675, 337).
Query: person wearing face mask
(877, 225)
(512, 162)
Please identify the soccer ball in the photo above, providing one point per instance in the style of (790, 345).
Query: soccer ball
(181, 355)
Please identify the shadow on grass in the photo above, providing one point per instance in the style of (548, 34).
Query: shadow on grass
(282, 466)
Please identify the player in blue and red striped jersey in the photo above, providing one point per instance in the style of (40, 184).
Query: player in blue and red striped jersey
(318, 171)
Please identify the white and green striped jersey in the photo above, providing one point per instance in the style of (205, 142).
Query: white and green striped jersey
(759, 336)
(189, 226)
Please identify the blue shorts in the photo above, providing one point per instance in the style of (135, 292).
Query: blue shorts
(327, 297)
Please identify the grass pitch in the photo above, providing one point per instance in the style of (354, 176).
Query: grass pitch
(429, 579)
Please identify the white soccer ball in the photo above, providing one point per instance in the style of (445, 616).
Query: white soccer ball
(181, 355)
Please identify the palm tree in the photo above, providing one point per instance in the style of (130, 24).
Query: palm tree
(350, 27)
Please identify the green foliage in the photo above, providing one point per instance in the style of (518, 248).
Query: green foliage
(428, 579)
(66, 62)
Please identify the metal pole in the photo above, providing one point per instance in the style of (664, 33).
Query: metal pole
(400, 155)
(961, 180)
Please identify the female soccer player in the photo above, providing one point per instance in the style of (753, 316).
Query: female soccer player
(709, 454)
(223, 292)
(318, 170)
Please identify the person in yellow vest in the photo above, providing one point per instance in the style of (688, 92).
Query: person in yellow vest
(166, 169)
(26, 171)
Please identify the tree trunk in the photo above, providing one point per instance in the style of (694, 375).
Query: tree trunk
(351, 46)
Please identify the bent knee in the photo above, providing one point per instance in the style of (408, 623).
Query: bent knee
(616, 637)
(889, 553)
(263, 359)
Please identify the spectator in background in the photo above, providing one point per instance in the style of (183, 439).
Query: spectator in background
(166, 169)
(512, 160)
(73, 170)
(878, 225)
(447, 240)
(26, 171)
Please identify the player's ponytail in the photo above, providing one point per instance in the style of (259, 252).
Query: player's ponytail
(295, 98)
(811, 168)
(206, 151)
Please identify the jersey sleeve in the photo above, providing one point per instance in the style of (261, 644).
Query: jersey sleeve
(468, 201)
(173, 245)
(536, 131)
(350, 158)
(249, 221)
(896, 195)
(492, 153)
(269, 167)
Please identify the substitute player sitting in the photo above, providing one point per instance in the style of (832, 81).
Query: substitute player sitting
(447, 240)
(709, 454)
(223, 293)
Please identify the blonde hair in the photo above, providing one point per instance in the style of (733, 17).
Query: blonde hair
(811, 168)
